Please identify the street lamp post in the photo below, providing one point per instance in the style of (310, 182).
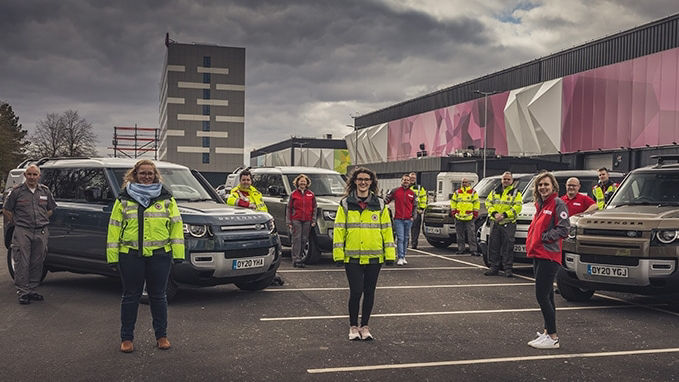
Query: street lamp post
(485, 123)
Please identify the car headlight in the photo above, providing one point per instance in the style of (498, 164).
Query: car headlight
(572, 232)
(667, 236)
(329, 214)
(271, 226)
(195, 230)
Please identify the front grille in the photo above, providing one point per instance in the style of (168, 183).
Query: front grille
(523, 222)
(612, 232)
(434, 224)
(519, 240)
(612, 260)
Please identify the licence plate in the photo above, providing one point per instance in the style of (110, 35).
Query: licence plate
(604, 270)
(254, 262)
(432, 230)
(519, 248)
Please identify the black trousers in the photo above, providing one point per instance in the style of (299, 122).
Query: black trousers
(362, 281)
(545, 272)
(415, 229)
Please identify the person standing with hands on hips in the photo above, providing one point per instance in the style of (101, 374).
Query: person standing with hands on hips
(245, 195)
(29, 206)
(504, 205)
(543, 243)
(405, 207)
(145, 235)
(421, 197)
(362, 240)
(300, 217)
(464, 207)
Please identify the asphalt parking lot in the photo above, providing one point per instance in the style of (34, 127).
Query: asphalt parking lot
(436, 319)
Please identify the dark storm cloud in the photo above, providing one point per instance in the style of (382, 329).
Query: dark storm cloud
(309, 63)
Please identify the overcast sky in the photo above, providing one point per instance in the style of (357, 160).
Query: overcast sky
(310, 64)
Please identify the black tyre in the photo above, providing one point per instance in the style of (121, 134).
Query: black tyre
(439, 243)
(256, 285)
(171, 292)
(10, 267)
(570, 292)
(311, 254)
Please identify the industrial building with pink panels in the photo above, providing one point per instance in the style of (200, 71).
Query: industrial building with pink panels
(616, 113)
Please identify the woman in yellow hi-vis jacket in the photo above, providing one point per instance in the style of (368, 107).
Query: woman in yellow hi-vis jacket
(363, 240)
(145, 234)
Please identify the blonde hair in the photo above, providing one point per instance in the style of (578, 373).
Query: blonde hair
(300, 176)
(131, 174)
(538, 178)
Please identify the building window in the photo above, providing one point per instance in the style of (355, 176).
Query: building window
(206, 78)
(206, 141)
(206, 109)
(206, 125)
(206, 93)
(206, 61)
(206, 157)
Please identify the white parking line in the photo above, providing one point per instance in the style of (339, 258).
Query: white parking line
(454, 312)
(400, 287)
(647, 306)
(491, 360)
(384, 269)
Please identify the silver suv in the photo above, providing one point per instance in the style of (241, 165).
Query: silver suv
(275, 184)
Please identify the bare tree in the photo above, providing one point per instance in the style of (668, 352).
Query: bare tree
(62, 135)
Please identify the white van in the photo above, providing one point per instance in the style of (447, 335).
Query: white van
(448, 182)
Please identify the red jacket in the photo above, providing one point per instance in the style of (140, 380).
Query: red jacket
(405, 205)
(301, 206)
(548, 229)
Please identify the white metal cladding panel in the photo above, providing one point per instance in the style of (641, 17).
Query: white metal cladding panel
(230, 87)
(176, 68)
(213, 102)
(227, 118)
(202, 69)
(213, 134)
(372, 144)
(175, 133)
(192, 117)
(192, 85)
(192, 149)
(176, 100)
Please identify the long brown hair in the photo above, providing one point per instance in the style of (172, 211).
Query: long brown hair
(131, 174)
(538, 178)
(351, 180)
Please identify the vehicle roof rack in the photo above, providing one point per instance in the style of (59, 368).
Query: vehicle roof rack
(661, 158)
(47, 159)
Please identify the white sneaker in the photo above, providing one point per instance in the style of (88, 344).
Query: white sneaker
(546, 343)
(540, 335)
(365, 333)
(405, 261)
(354, 334)
(400, 261)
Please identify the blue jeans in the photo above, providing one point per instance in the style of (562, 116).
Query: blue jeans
(134, 271)
(402, 227)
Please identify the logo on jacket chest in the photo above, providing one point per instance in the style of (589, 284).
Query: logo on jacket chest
(374, 217)
(158, 206)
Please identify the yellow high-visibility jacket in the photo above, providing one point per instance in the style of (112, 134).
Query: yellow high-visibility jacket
(421, 195)
(506, 202)
(602, 196)
(363, 234)
(162, 227)
(238, 198)
(465, 200)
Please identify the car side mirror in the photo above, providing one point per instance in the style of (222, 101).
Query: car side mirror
(93, 194)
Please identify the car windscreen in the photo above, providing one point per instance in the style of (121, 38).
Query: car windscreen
(660, 188)
(486, 185)
(181, 183)
(587, 183)
(323, 184)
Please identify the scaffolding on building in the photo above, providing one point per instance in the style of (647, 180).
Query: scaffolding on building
(134, 142)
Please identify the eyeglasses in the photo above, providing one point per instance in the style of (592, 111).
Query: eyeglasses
(571, 185)
(146, 173)
(363, 179)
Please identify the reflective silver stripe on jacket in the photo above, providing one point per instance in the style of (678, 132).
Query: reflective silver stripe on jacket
(360, 252)
(130, 243)
(338, 245)
(389, 245)
(177, 241)
(114, 223)
(112, 245)
(156, 214)
(156, 243)
(175, 219)
(364, 225)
